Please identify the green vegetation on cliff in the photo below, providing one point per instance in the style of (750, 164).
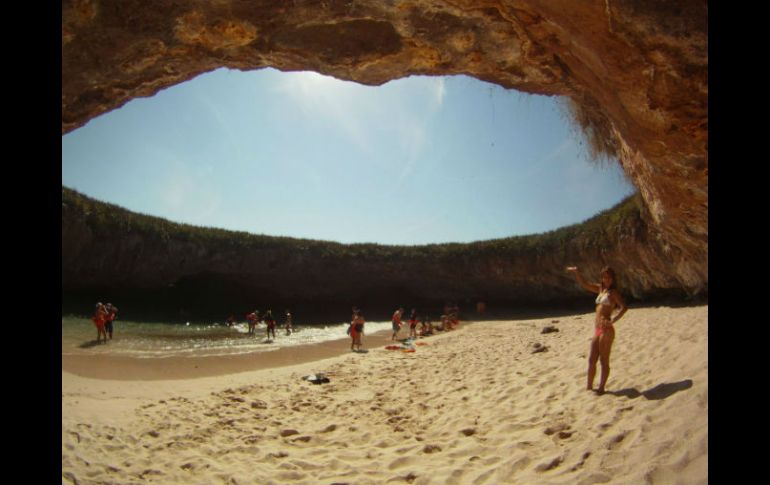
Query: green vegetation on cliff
(112, 221)
(160, 266)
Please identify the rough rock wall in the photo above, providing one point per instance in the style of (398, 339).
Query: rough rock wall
(639, 66)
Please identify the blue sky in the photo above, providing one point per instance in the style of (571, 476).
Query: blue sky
(415, 161)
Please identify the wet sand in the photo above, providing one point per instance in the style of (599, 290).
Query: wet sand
(105, 366)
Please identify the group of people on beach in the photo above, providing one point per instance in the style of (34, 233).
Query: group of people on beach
(449, 321)
(608, 301)
(103, 318)
(254, 318)
(610, 307)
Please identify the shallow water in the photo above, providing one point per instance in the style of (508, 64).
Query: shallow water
(159, 340)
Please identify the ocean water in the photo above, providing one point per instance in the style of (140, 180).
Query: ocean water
(159, 340)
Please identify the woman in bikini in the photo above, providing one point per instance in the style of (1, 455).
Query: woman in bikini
(608, 300)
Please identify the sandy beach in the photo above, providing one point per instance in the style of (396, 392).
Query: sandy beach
(484, 404)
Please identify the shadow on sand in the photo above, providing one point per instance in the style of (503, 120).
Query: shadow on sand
(661, 391)
(89, 344)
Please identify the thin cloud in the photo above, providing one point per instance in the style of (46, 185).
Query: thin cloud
(439, 91)
(324, 97)
(414, 138)
(224, 124)
(549, 157)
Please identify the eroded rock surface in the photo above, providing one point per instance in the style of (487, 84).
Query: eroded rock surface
(638, 68)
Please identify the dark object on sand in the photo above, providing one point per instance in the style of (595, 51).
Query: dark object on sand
(550, 329)
(539, 348)
(317, 378)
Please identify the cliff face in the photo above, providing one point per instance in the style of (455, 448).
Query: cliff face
(110, 249)
(637, 68)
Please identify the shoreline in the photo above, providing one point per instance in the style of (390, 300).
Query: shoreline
(126, 368)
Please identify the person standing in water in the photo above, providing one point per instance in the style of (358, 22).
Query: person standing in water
(289, 322)
(112, 313)
(270, 322)
(99, 318)
(608, 300)
(252, 319)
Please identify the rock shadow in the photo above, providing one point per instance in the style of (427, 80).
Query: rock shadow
(661, 391)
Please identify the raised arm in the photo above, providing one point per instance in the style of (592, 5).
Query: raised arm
(592, 287)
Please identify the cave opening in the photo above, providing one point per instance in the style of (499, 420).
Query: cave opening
(420, 160)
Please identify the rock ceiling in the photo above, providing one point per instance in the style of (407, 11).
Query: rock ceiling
(637, 69)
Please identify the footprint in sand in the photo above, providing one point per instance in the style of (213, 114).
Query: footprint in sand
(401, 462)
(549, 465)
(617, 440)
(559, 428)
(581, 462)
(507, 470)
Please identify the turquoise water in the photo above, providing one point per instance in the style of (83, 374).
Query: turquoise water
(159, 340)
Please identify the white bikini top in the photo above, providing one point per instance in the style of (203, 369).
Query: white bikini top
(604, 298)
